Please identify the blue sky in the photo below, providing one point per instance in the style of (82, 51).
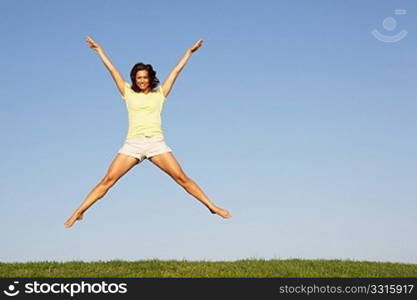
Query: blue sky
(292, 115)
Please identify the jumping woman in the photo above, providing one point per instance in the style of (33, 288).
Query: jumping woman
(144, 100)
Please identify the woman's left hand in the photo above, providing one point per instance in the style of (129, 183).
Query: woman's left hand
(196, 46)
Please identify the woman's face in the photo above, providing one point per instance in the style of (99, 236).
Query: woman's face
(142, 80)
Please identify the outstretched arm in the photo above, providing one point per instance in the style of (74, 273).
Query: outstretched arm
(117, 77)
(169, 82)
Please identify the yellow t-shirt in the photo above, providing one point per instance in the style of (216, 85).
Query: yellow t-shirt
(144, 112)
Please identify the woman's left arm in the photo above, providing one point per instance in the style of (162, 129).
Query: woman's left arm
(169, 82)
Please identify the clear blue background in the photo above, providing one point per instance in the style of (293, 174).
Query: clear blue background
(292, 116)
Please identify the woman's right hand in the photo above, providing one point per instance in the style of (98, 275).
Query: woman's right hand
(92, 44)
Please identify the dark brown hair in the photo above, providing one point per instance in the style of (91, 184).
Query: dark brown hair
(154, 81)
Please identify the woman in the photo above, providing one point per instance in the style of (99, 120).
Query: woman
(144, 101)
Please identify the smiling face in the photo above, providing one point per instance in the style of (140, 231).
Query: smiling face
(143, 81)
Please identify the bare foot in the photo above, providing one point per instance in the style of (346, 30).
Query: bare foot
(221, 212)
(73, 218)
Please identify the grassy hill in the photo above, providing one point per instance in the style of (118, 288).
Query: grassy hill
(250, 268)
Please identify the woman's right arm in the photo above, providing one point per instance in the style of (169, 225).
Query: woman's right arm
(117, 77)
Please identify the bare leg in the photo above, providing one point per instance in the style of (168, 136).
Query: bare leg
(120, 166)
(168, 163)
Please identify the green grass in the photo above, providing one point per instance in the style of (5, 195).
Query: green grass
(248, 268)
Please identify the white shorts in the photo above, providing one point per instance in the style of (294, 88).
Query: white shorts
(143, 147)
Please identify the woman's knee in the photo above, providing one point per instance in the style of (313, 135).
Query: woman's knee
(182, 179)
(108, 181)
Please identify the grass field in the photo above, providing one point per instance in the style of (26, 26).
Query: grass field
(250, 268)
